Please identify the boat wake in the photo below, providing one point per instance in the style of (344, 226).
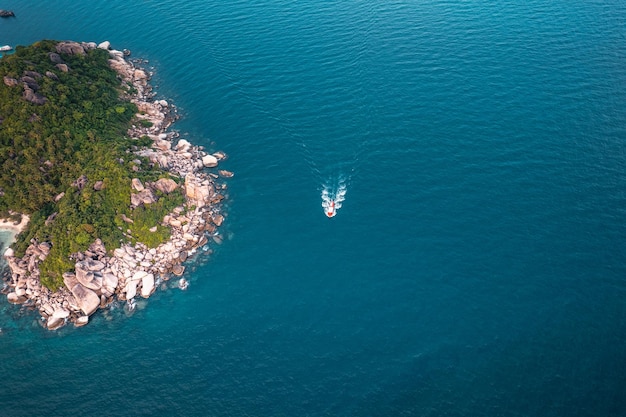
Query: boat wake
(333, 194)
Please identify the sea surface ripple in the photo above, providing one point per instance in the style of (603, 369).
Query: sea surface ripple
(476, 268)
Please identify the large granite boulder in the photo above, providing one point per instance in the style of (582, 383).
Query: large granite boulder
(147, 285)
(144, 197)
(109, 281)
(131, 289)
(137, 185)
(70, 48)
(56, 58)
(61, 313)
(165, 185)
(31, 96)
(81, 321)
(69, 279)
(10, 82)
(54, 323)
(86, 274)
(209, 161)
(13, 298)
(87, 300)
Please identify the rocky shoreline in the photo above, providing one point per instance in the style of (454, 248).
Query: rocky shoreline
(102, 277)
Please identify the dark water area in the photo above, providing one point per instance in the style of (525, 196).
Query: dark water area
(476, 267)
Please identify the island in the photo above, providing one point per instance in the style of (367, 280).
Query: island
(108, 202)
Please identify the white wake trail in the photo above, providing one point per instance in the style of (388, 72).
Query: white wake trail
(333, 194)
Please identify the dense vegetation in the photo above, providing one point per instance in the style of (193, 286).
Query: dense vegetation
(78, 132)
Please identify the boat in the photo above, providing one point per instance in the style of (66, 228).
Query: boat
(331, 210)
(6, 48)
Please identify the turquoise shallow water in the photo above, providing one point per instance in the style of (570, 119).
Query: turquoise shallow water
(477, 266)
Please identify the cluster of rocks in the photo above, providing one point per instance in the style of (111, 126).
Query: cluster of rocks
(7, 13)
(101, 277)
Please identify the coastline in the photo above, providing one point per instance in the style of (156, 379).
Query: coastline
(103, 276)
(9, 225)
(13, 229)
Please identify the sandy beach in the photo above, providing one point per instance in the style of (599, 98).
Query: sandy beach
(8, 224)
(11, 229)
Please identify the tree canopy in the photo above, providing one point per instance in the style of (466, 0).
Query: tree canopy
(53, 154)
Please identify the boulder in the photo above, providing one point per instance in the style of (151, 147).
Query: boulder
(147, 196)
(98, 186)
(55, 58)
(110, 281)
(94, 265)
(69, 279)
(144, 197)
(87, 300)
(115, 54)
(220, 155)
(61, 313)
(13, 298)
(86, 276)
(45, 247)
(54, 323)
(63, 67)
(81, 321)
(106, 45)
(52, 75)
(164, 145)
(137, 185)
(32, 74)
(126, 219)
(178, 270)
(10, 82)
(225, 174)
(120, 67)
(147, 285)
(80, 182)
(138, 276)
(7, 13)
(47, 309)
(31, 96)
(165, 185)
(217, 219)
(70, 48)
(183, 146)
(30, 82)
(131, 289)
(140, 74)
(209, 161)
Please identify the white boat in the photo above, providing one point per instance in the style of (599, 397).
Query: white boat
(6, 48)
(331, 210)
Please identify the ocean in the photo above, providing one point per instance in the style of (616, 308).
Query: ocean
(476, 266)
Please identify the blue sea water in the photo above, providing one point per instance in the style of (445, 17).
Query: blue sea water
(477, 266)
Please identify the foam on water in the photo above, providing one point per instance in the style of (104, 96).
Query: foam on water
(333, 194)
